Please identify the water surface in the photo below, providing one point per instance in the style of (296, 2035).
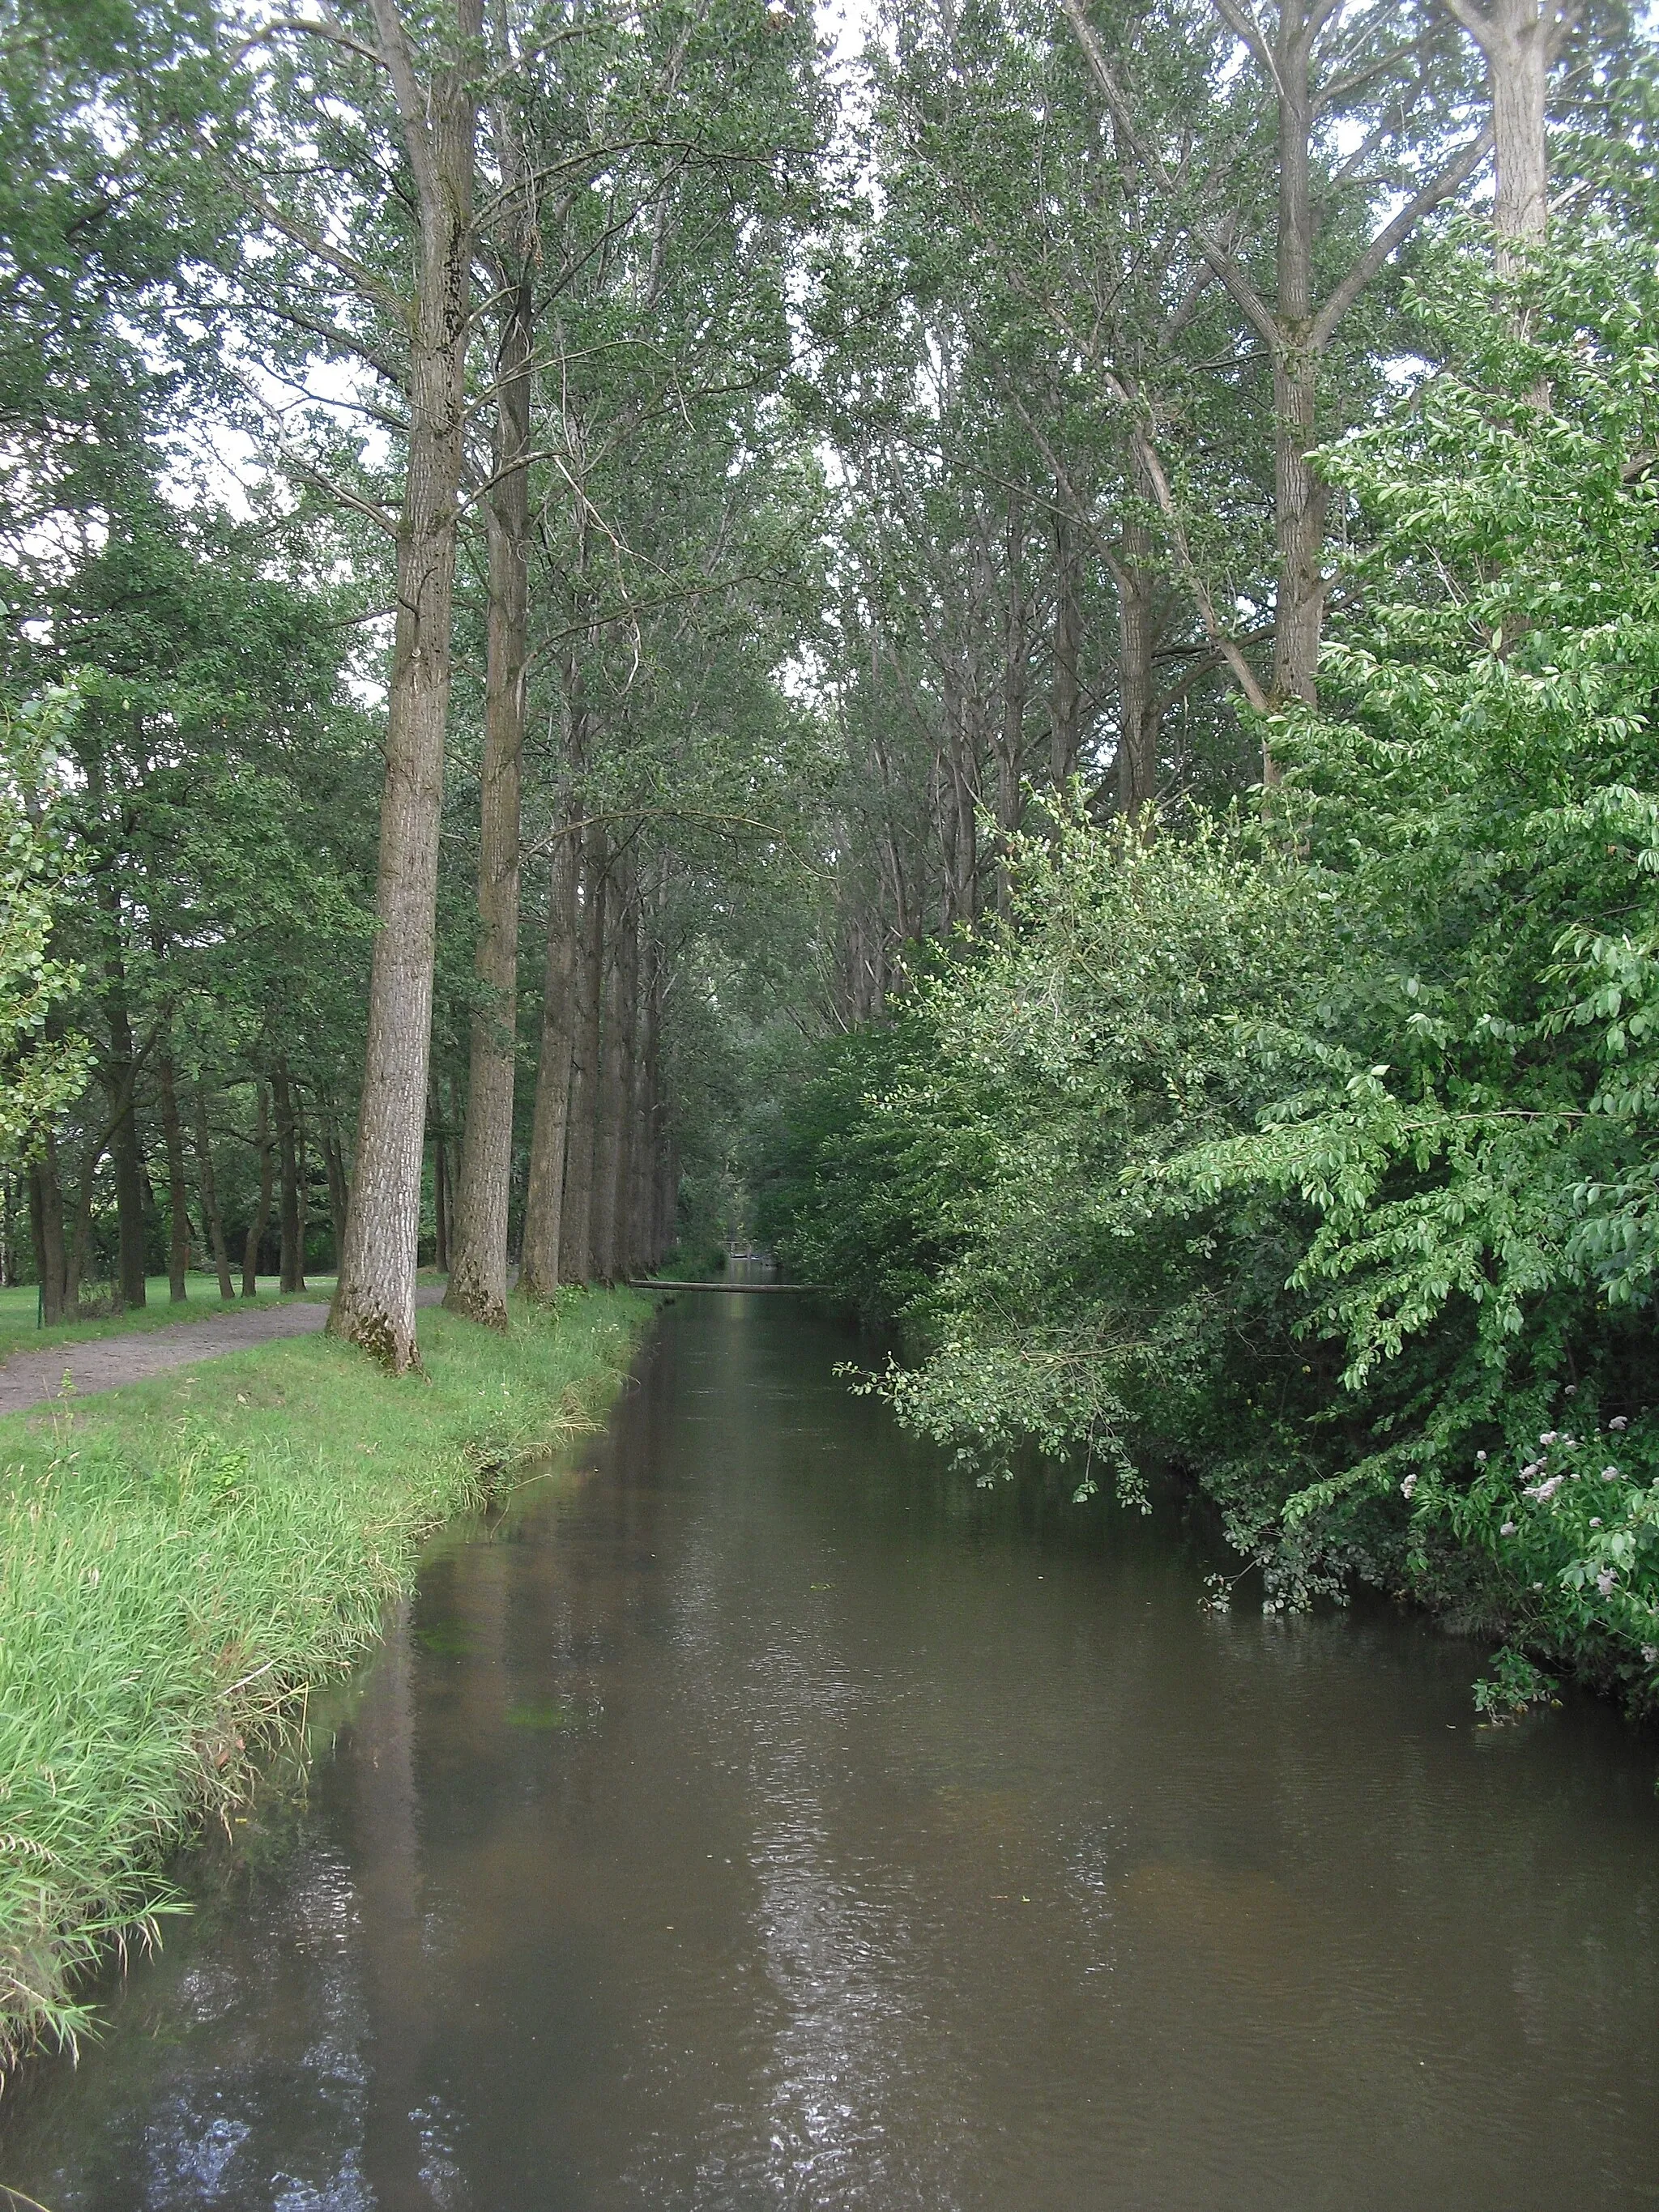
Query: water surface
(759, 1817)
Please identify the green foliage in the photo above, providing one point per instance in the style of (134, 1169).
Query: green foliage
(1320, 1155)
(41, 1068)
(182, 1560)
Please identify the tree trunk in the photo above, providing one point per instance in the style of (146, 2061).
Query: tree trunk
(640, 1252)
(1520, 40)
(209, 1188)
(575, 1262)
(178, 1205)
(1299, 497)
(375, 1297)
(302, 1162)
(439, 1201)
(1064, 714)
(478, 1281)
(339, 1191)
(611, 1103)
(1011, 740)
(47, 1224)
(544, 1205)
(291, 1275)
(668, 1198)
(1137, 711)
(623, 1054)
(120, 1076)
(261, 1221)
(81, 1241)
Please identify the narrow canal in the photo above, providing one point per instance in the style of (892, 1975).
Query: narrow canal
(759, 1817)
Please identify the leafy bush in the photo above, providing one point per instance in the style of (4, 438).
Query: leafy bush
(1320, 1152)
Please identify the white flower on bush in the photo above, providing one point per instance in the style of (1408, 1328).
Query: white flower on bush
(1543, 1492)
(1508, 1528)
(1650, 1653)
(1409, 1486)
(1609, 1475)
(1617, 1422)
(1605, 1579)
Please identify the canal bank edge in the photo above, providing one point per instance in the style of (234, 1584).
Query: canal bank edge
(184, 1559)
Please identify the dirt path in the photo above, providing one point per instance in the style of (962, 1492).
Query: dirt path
(29, 1379)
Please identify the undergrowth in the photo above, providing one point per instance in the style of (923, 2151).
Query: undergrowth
(180, 1561)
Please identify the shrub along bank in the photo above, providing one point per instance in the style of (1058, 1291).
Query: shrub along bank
(1320, 1150)
(180, 1560)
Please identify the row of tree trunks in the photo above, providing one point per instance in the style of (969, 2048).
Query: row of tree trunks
(477, 1277)
(593, 1209)
(261, 1221)
(544, 1213)
(576, 1221)
(63, 1247)
(178, 1204)
(291, 1264)
(207, 1184)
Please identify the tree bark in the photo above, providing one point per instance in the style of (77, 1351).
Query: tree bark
(610, 1105)
(339, 1191)
(544, 1208)
(261, 1221)
(208, 1185)
(291, 1273)
(622, 1056)
(1299, 497)
(640, 1252)
(79, 1246)
(177, 1203)
(373, 1302)
(47, 1224)
(1011, 737)
(439, 1201)
(1136, 581)
(575, 1260)
(478, 1282)
(1521, 40)
(120, 1076)
(1065, 713)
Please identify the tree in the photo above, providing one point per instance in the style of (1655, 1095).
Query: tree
(42, 1068)
(1319, 62)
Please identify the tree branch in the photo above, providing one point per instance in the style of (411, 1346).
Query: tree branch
(1439, 188)
(329, 32)
(1247, 299)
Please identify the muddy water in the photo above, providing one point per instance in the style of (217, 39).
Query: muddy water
(758, 1818)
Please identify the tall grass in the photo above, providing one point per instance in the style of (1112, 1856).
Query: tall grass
(181, 1560)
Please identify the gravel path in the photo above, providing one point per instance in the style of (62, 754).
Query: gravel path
(29, 1379)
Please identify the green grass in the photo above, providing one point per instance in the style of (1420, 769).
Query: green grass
(182, 1560)
(20, 1304)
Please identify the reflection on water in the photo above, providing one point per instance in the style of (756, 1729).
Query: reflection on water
(757, 1818)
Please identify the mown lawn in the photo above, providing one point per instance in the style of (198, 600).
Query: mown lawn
(182, 1558)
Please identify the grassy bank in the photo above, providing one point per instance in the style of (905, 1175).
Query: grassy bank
(182, 1560)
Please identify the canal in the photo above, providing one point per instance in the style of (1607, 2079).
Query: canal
(757, 1815)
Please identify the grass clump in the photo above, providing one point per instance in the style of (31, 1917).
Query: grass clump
(182, 1560)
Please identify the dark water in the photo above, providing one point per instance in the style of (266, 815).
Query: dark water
(758, 1818)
